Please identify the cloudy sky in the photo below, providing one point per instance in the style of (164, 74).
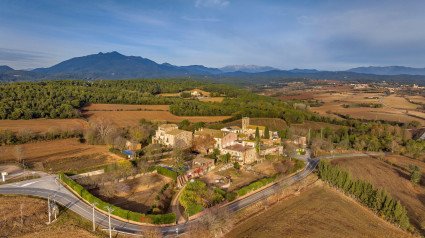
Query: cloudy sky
(333, 35)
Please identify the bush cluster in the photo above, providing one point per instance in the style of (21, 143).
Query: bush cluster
(166, 172)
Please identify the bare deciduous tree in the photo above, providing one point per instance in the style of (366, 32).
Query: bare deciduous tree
(217, 220)
(196, 229)
(151, 232)
(203, 143)
(103, 127)
(19, 153)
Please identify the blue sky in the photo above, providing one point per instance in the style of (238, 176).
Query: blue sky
(333, 35)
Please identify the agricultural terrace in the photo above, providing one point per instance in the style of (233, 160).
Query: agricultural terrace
(395, 179)
(60, 155)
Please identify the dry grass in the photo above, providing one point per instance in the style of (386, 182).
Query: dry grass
(239, 178)
(140, 192)
(417, 99)
(317, 212)
(42, 125)
(132, 118)
(396, 101)
(35, 218)
(124, 107)
(272, 167)
(213, 99)
(334, 101)
(63, 155)
(395, 180)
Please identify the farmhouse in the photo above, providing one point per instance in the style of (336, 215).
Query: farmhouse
(242, 154)
(170, 136)
(200, 166)
(222, 138)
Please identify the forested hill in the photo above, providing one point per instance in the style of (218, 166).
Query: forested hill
(64, 98)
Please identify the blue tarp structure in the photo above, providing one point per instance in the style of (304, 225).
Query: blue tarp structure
(128, 152)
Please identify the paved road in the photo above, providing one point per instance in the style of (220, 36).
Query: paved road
(48, 185)
(385, 105)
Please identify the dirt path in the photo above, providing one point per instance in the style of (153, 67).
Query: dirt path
(175, 207)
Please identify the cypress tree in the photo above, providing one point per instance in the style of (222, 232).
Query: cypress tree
(267, 133)
(348, 182)
(257, 133)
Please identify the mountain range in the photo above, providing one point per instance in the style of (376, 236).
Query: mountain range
(114, 65)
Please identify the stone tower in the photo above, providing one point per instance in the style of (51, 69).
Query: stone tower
(245, 124)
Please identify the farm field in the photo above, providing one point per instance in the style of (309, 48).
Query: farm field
(137, 194)
(62, 155)
(395, 180)
(35, 218)
(417, 99)
(124, 107)
(132, 118)
(42, 125)
(316, 212)
(213, 99)
(397, 101)
(315, 125)
(333, 102)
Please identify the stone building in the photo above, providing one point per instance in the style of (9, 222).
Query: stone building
(170, 136)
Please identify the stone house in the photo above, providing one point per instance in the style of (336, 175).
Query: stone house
(170, 136)
(242, 154)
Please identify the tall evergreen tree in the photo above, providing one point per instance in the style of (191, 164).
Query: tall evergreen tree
(257, 133)
(266, 133)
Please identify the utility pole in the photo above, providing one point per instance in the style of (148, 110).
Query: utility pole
(94, 222)
(109, 213)
(48, 207)
(23, 165)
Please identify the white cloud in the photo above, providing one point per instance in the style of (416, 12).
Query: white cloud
(211, 3)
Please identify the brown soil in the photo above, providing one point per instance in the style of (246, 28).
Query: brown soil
(62, 155)
(42, 125)
(317, 212)
(395, 180)
(270, 168)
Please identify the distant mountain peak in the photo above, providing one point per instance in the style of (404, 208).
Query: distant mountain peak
(246, 68)
(388, 70)
(5, 68)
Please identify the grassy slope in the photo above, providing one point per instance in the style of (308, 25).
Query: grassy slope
(318, 212)
(395, 180)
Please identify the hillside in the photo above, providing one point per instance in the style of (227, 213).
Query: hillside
(317, 212)
(395, 180)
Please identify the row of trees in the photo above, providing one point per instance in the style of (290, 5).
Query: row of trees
(376, 199)
(26, 135)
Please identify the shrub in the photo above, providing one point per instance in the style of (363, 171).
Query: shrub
(167, 172)
(118, 152)
(243, 191)
(231, 196)
(219, 191)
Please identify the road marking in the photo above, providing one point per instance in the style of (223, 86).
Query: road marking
(24, 185)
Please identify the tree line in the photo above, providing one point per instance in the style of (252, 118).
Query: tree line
(378, 200)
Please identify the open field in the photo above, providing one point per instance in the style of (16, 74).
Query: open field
(272, 167)
(34, 220)
(317, 212)
(42, 125)
(395, 180)
(213, 99)
(124, 107)
(417, 99)
(168, 94)
(396, 101)
(333, 102)
(132, 118)
(62, 155)
(315, 125)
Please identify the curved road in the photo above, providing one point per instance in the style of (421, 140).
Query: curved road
(48, 185)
